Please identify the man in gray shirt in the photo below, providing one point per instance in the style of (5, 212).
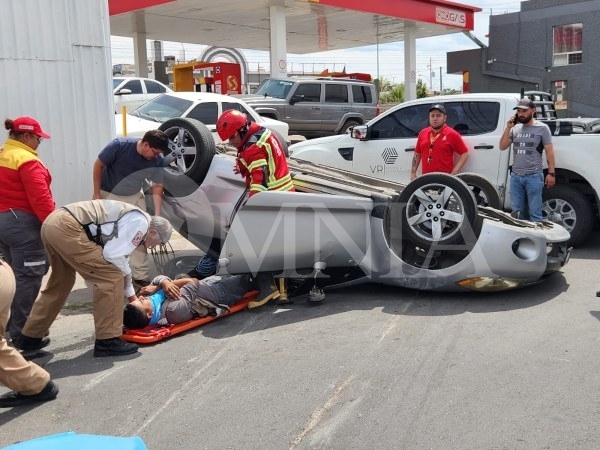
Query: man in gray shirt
(529, 138)
(171, 302)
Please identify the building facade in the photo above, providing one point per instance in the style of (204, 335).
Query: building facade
(550, 45)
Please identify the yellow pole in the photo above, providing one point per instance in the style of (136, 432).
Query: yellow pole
(124, 118)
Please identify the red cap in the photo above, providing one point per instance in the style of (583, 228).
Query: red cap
(29, 125)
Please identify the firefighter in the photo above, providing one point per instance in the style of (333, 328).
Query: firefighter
(261, 159)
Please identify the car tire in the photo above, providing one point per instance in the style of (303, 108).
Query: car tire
(347, 125)
(485, 193)
(192, 148)
(438, 210)
(570, 208)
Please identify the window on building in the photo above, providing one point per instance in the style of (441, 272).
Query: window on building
(568, 44)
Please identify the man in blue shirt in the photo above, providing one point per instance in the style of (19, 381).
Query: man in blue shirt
(119, 173)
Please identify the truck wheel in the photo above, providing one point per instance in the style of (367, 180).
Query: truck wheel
(437, 209)
(347, 125)
(568, 207)
(485, 193)
(192, 148)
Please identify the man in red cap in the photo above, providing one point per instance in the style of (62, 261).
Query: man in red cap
(436, 146)
(25, 202)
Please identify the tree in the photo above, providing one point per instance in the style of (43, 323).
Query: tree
(421, 89)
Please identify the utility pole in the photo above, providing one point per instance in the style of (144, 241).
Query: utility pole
(441, 88)
(430, 73)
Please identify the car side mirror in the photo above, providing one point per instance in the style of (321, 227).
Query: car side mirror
(296, 99)
(123, 92)
(359, 132)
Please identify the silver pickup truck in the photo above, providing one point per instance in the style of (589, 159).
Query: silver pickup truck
(384, 148)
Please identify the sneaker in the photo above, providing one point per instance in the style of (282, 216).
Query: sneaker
(26, 343)
(114, 347)
(14, 398)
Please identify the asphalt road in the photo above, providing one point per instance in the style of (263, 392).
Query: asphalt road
(372, 367)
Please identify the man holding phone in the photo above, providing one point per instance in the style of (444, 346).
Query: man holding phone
(530, 138)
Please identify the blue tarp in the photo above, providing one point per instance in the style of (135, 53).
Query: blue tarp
(72, 441)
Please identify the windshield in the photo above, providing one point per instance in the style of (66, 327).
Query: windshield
(274, 88)
(163, 107)
(116, 82)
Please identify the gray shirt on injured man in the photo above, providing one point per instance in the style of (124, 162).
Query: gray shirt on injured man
(224, 290)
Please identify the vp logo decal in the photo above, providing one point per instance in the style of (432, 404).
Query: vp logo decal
(389, 155)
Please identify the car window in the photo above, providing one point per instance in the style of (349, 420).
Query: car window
(206, 112)
(153, 87)
(274, 88)
(336, 93)
(470, 118)
(238, 107)
(402, 123)
(135, 86)
(116, 82)
(361, 94)
(164, 107)
(310, 91)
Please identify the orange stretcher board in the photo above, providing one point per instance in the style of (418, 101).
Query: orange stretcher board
(155, 333)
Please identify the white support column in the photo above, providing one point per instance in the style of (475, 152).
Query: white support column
(278, 41)
(410, 62)
(140, 52)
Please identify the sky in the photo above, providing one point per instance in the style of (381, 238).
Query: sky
(385, 61)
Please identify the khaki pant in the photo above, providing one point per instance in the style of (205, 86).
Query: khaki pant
(69, 250)
(15, 372)
(138, 261)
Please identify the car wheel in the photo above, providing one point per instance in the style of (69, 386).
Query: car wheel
(283, 142)
(485, 193)
(437, 209)
(347, 125)
(571, 209)
(192, 148)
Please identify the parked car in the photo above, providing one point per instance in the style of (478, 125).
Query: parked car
(343, 228)
(133, 92)
(205, 107)
(316, 107)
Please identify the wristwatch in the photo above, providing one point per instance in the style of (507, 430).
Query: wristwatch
(552, 174)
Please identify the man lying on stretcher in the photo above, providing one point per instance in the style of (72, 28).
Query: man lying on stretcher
(167, 301)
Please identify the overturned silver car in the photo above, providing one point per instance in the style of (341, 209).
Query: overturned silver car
(343, 227)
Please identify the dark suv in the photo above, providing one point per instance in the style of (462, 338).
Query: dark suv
(315, 107)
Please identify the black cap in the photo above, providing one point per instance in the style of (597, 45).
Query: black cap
(525, 103)
(438, 107)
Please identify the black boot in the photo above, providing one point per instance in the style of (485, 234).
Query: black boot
(114, 347)
(14, 398)
(26, 343)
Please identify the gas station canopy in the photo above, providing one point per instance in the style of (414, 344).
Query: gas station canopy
(311, 25)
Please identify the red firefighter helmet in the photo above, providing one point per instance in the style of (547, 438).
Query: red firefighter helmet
(229, 122)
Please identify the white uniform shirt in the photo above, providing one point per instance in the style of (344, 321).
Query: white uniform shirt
(132, 229)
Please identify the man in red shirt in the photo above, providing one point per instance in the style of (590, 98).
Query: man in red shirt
(436, 146)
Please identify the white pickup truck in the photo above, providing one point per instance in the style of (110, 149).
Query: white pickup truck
(384, 148)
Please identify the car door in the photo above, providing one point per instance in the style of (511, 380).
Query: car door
(335, 106)
(388, 151)
(207, 113)
(479, 123)
(304, 114)
(130, 100)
